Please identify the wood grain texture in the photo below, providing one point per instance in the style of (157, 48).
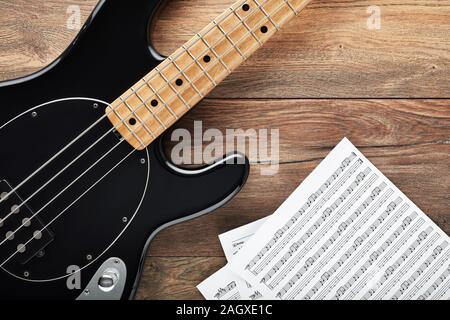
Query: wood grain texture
(305, 82)
(327, 52)
(421, 171)
(309, 128)
(35, 33)
(330, 52)
(157, 101)
(176, 277)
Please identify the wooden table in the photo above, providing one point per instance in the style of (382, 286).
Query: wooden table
(329, 74)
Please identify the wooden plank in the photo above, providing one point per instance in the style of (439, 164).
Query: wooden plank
(194, 80)
(407, 139)
(327, 52)
(176, 278)
(420, 171)
(309, 128)
(34, 33)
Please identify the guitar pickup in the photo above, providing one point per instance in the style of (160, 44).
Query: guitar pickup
(22, 231)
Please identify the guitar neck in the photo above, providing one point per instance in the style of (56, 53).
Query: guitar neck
(170, 90)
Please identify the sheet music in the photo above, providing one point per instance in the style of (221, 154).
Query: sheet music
(347, 233)
(222, 285)
(231, 241)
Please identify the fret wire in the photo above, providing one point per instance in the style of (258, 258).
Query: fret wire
(231, 41)
(126, 125)
(219, 57)
(191, 83)
(186, 77)
(187, 50)
(260, 7)
(259, 22)
(132, 133)
(149, 108)
(206, 43)
(192, 44)
(242, 38)
(209, 30)
(291, 7)
(209, 46)
(159, 97)
(137, 116)
(228, 51)
(277, 9)
(174, 89)
(194, 59)
(246, 26)
(184, 47)
(203, 69)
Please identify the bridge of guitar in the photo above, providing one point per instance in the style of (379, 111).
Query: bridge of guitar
(22, 234)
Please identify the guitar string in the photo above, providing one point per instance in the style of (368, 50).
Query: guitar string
(211, 47)
(242, 38)
(16, 208)
(142, 123)
(109, 112)
(108, 132)
(69, 206)
(54, 219)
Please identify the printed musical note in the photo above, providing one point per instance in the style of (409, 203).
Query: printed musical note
(347, 233)
(222, 285)
(225, 285)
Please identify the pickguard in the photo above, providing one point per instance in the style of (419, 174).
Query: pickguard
(111, 53)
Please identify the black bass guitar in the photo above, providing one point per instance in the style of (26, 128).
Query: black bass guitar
(84, 184)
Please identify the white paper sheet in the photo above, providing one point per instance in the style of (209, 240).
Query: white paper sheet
(233, 240)
(222, 285)
(214, 287)
(347, 233)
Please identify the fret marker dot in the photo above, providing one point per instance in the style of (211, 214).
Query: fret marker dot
(132, 121)
(245, 7)
(154, 103)
(264, 29)
(179, 82)
(207, 58)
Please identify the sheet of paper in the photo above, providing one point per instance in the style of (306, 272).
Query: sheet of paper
(225, 284)
(222, 285)
(233, 240)
(347, 233)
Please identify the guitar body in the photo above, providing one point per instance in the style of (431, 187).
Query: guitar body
(89, 215)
